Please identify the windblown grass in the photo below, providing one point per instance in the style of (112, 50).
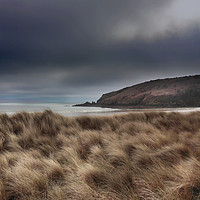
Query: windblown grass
(144, 156)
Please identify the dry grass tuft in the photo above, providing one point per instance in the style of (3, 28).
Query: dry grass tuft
(147, 156)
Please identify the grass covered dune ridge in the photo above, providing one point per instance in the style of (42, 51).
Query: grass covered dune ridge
(141, 156)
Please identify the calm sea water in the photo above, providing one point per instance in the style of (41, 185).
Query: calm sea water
(61, 108)
(70, 111)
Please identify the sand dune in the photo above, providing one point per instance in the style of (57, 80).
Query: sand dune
(140, 156)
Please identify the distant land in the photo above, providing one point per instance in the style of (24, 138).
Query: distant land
(160, 93)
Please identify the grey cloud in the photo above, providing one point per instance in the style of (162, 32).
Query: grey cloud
(88, 46)
(39, 30)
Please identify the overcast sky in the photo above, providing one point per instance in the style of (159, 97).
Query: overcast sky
(75, 50)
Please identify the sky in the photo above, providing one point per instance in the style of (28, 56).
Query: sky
(76, 50)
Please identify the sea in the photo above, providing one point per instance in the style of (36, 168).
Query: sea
(66, 109)
(69, 110)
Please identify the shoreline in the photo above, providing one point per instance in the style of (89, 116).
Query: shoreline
(70, 110)
(144, 110)
(96, 105)
(111, 112)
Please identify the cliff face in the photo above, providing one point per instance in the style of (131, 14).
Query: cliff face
(171, 92)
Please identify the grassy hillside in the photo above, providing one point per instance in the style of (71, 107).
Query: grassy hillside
(170, 92)
(145, 156)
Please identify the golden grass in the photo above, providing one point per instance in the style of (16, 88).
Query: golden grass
(147, 156)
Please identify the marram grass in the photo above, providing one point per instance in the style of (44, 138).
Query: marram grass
(147, 156)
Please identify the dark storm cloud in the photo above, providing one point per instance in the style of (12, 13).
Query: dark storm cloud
(91, 46)
(62, 31)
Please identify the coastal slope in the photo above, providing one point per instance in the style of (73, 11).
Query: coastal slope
(170, 92)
